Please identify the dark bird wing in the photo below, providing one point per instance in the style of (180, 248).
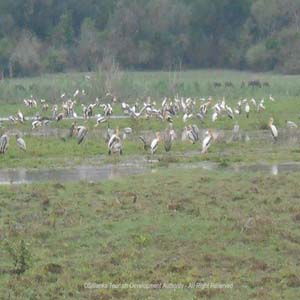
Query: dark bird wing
(145, 144)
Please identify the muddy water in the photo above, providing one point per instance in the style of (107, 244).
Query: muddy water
(274, 169)
(83, 173)
(106, 172)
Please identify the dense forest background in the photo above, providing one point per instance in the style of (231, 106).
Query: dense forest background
(60, 35)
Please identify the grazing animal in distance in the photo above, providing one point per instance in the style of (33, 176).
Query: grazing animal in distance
(254, 83)
(217, 84)
(228, 84)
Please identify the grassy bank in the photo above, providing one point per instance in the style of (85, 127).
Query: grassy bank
(61, 151)
(160, 228)
(130, 85)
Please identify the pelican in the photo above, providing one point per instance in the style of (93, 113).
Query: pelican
(273, 129)
(4, 140)
(21, 143)
(115, 144)
(207, 141)
(82, 132)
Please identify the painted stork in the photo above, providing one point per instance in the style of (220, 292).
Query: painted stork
(273, 129)
(115, 144)
(21, 143)
(207, 141)
(82, 132)
(4, 141)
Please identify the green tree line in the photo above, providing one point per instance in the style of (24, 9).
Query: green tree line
(60, 35)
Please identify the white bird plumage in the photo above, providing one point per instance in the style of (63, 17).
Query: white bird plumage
(273, 129)
(207, 141)
(21, 143)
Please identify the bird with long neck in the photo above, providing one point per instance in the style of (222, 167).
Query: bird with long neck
(273, 129)
(154, 144)
(21, 143)
(207, 141)
(115, 144)
(169, 137)
(4, 141)
(72, 129)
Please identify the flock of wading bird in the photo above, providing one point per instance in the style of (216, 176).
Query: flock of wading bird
(186, 108)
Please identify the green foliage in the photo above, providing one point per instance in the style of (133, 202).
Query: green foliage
(63, 33)
(56, 60)
(71, 34)
(20, 257)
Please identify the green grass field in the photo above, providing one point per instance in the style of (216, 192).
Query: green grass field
(168, 227)
(132, 85)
